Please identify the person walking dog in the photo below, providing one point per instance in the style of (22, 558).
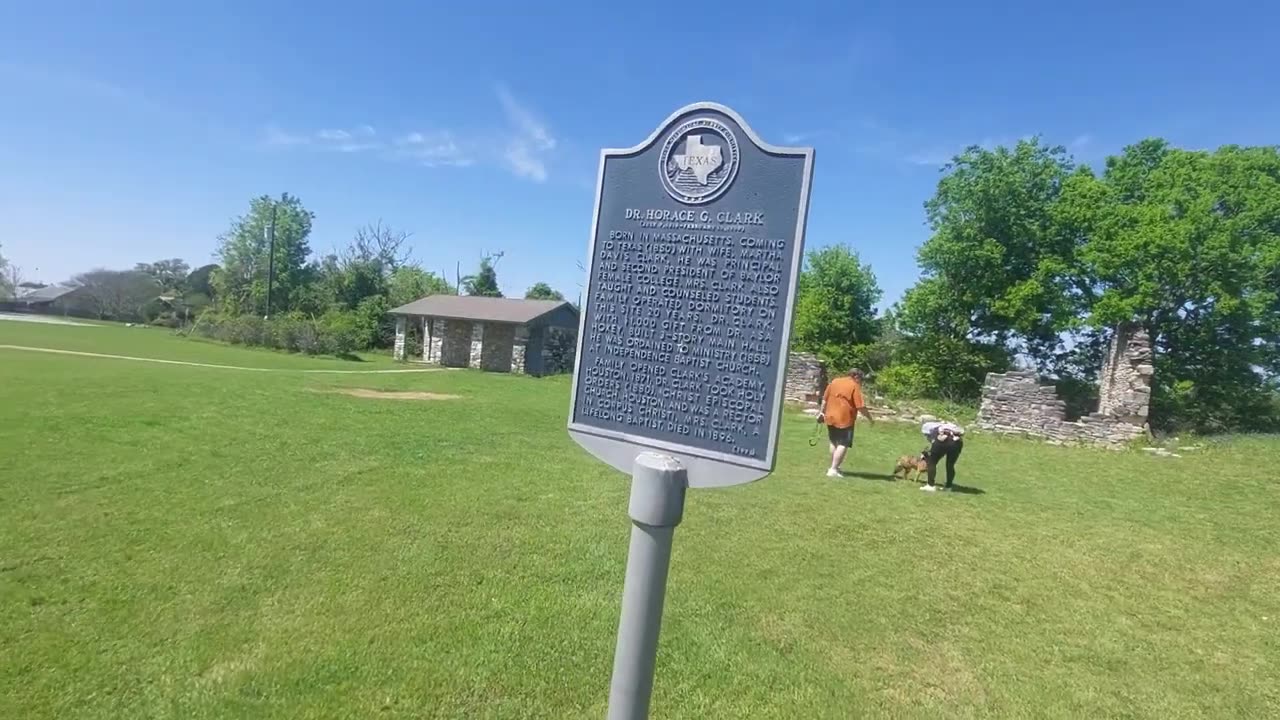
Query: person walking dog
(946, 440)
(841, 404)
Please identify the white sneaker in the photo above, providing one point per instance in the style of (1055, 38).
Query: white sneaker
(929, 488)
(832, 472)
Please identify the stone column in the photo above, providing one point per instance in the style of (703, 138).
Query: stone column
(426, 340)
(399, 348)
(477, 344)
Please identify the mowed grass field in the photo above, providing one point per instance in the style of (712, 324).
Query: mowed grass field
(194, 542)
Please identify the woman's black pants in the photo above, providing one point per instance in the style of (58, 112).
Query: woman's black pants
(949, 449)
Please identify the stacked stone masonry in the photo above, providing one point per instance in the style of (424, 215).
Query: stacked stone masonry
(431, 330)
(1125, 385)
(398, 352)
(477, 343)
(558, 350)
(806, 380)
(1016, 402)
(496, 350)
(517, 357)
(455, 343)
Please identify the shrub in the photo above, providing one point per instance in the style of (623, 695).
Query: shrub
(374, 327)
(907, 380)
(334, 333)
(167, 319)
(340, 332)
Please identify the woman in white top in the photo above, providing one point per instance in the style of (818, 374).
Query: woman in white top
(946, 440)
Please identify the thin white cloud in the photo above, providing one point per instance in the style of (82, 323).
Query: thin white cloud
(528, 126)
(276, 136)
(793, 138)
(331, 139)
(354, 147)
(522, 146)
(521, 161)
(434, 149)
(530, 141)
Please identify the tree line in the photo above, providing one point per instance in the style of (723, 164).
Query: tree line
(268, 288)
(1032, 261)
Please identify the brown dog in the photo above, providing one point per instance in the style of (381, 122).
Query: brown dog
(908, 464)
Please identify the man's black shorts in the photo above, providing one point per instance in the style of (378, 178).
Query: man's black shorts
(840, 437)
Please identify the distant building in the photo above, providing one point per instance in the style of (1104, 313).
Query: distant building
(50, 299)
(537, 337)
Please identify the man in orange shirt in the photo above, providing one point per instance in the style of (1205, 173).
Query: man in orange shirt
(841, 404)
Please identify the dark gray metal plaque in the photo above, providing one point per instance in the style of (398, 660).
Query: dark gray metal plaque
(695, 249)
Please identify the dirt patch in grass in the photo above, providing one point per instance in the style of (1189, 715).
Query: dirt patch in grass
(390, 395)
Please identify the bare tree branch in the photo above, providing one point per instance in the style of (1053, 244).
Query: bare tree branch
(380, 243)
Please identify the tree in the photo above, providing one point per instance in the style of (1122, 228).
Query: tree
(241, 283)
(485, 282)
(380, 244)
(410, 282)
(835, 305)
(1187, 244)
(170, 275)
(542, 291)
(10, 278)
(115, 294)
(201, 279)
(999, 267)
(1029, 250)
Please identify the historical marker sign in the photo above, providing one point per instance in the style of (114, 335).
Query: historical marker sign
(695, 249)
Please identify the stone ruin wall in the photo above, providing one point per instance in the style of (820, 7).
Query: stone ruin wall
(1016, 403)
(806, 380)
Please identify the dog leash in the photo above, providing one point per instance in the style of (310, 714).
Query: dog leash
(813, 436)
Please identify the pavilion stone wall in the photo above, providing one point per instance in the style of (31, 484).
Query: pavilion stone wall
(519, 346)
(431, 340)
(497, 348)
(559, 346)
(477, 344)
(455, 342)
(398, 352)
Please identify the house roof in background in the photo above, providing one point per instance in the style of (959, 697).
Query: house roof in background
(466, 307)
(48, 293)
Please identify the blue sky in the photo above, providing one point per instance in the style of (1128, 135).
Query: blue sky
(135, 131)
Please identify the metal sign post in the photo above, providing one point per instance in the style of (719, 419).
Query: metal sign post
(658, 483)
(696, 245)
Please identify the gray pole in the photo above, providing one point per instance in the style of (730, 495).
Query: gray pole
(271, 257)
(658, 484)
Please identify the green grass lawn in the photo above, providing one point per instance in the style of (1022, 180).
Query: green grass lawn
(188, 542)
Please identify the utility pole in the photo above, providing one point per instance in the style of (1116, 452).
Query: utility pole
(271, 258)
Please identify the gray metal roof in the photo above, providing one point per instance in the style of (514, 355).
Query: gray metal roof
(48, 293)
(466, 307)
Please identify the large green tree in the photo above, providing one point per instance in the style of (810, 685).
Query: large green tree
(114, 294)
(243, 252)
(170, 275)
(1187, 244)
(835, 306)
(542, 291)
(1029, 250)
(999, 269)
